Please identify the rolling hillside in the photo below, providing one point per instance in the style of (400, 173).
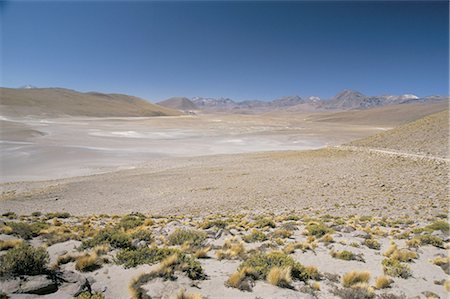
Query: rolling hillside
(427, 136)
(55, 102)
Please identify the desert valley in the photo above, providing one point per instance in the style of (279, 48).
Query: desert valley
(111, 196)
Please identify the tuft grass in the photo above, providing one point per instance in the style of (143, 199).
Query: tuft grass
(352, 278)
(402, 255)
(343, 255)
(131, 221)
(88, 262)
(241, 279)
(395, 268)
(382, 282)
(280, 277)
(9, 244)
(232, 249)
(183, 294)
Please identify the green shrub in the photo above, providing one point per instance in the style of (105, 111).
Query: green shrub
(131, 221)
(430, 240)
(261, 263)
(26, 231)
(393, 267)
(317, 229)
(115, 238)
(190, 236)
(441, 225)
(24, 260)
(372, 244)
(133, 257)
(255, 236)
(142, 234)
(264, 222)
(87, 295)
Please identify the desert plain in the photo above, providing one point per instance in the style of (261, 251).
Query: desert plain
(281, 204)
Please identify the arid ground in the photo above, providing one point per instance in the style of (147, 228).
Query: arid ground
(347, 204)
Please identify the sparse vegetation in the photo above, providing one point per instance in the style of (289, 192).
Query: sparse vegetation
(317, 229)
(350, 279)
(88, 262)
(372, 244)
(8, 244)
(395, 268)
(280, 276)
(115, 238)
(255, 236)
(187, 236)
(24, 260)
(383, 282)
(261, 264)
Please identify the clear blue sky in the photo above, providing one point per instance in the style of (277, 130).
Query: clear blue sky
(241, 50)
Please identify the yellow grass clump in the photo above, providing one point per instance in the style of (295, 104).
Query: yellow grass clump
(87, 262)
(352, 278)
(401, 255)
(9, 244)
(202, 252)
(231, 249)
(315, 286)
(383, 282)
(279, 276)
(183, 294)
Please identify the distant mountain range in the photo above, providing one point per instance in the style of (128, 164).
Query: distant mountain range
(345, 100)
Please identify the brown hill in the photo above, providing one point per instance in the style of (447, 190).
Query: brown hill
(427, 136)
(386, 116)
(54, 102)
(179, 103)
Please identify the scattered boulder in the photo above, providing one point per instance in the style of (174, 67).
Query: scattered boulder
(39, 285)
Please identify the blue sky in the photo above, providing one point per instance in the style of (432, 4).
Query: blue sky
(242, 50)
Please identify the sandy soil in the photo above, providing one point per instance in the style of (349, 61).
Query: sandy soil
(42, 149)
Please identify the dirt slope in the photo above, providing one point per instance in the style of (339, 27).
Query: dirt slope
(54, 102)
(428, 136)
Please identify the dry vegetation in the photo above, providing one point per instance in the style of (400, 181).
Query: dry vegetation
(189, 248)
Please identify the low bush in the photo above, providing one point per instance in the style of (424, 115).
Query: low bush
(131, 221)
(24, 260)
(372, 244)
(26, 231)
(261, 264)
(395, 268)
(317, 229)
(145, 255)
(115, 238)
(264, 222)
(255, 236)
(187, 236)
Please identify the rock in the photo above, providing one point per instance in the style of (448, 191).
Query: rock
(39, 285)
(138, 243)
(10, 286)
(73, 283)
(344, 229)
(360, 234)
